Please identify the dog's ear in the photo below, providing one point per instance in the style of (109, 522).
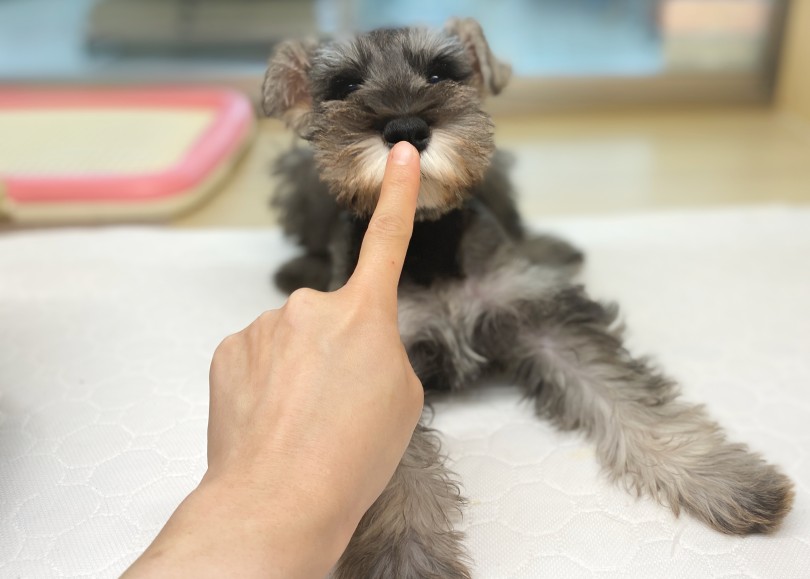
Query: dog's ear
(286, 91)
(492, 74)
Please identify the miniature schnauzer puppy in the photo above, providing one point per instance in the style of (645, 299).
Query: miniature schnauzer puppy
(478, 294)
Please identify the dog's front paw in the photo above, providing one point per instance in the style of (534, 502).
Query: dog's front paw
(738, 495)
(312, 271)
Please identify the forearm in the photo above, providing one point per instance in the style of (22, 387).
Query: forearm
(220, 530)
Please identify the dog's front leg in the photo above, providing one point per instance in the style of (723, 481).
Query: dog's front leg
(408, 532)
(570, 358)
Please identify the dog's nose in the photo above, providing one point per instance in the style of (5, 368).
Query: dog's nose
(411, 129)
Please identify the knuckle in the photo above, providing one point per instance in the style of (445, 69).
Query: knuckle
(300, 306)
(231, 341)
(389, 226)
(301, 298)
(226, 347)
(266, 318)
(400, 179)
(262, 326)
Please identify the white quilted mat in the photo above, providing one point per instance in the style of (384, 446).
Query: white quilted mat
(106, 337)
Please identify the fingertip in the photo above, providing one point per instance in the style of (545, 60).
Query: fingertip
(402, 179)
(403, 153)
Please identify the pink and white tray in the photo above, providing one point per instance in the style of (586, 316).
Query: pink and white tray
(116, 154)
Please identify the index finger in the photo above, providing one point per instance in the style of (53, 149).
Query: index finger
(382, 253)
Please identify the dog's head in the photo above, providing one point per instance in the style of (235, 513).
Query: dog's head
(353, 100)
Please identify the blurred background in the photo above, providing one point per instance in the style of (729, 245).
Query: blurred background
(615, 105)
(696, 50)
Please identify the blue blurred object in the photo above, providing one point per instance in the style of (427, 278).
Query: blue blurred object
(545, 37)
(48, 38)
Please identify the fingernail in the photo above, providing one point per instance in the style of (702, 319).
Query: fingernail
(402, 153)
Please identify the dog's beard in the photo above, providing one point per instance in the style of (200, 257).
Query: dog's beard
(446, 175)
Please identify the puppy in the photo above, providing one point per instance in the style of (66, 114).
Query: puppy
(478, 295)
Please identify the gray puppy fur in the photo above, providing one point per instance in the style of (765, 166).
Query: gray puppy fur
(478, 295)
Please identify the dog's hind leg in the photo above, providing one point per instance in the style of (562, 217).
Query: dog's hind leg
(408, 532)
(570, 358)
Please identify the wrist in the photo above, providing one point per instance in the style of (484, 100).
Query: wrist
(294, 528)
(227, 527)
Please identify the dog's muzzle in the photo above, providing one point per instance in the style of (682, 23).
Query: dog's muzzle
(411, 129)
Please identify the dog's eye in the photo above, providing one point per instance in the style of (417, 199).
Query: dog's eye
(438, 71)
(342, 86)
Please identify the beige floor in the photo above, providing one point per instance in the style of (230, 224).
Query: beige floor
(595, 162)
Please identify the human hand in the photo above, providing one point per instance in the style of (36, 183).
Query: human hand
(312, 407)
(321, 390)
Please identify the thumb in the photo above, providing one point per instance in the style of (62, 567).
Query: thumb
(389, 231)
